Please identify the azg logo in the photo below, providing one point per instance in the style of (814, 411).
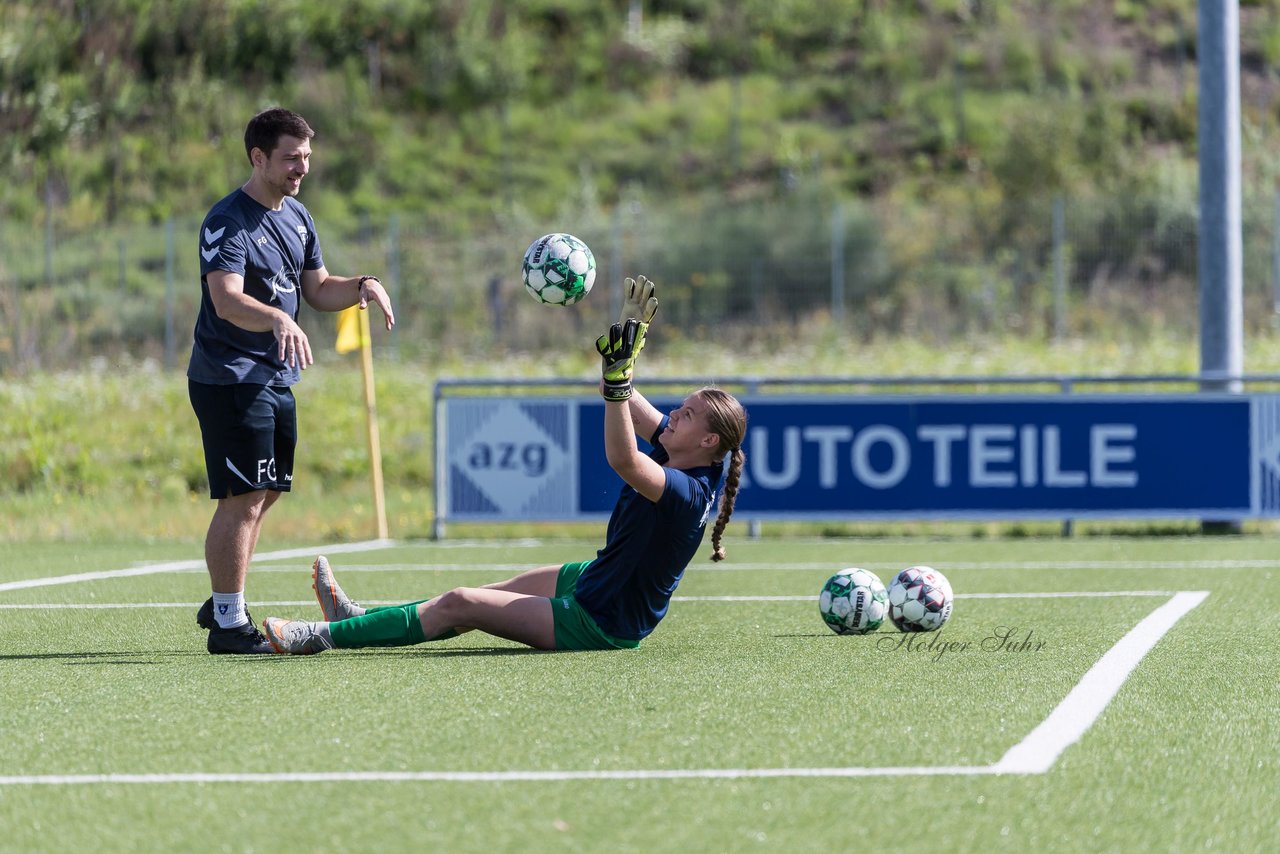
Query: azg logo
(509, 458)
(528, 458)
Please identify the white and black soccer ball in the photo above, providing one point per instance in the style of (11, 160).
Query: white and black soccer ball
(558, 269)
(920, 599)
(853, 602)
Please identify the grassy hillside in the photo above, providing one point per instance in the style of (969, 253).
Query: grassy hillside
(715, 141)
(128, 109)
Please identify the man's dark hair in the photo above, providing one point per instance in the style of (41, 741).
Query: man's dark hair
(265, 129)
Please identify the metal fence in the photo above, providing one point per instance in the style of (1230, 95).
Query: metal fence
(1052, 267)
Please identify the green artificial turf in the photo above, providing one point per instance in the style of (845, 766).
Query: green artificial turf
(504, 748)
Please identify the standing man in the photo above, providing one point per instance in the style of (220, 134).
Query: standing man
(258, 252)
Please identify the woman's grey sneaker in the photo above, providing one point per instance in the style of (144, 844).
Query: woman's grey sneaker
(296, 637)
(335, 604)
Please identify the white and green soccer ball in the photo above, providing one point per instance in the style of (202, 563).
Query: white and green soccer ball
(920, 599)
(558, 269)
(853, 602)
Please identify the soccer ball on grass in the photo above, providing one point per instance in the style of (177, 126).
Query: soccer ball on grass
(558, 269)
(919, 599)
(853, 602)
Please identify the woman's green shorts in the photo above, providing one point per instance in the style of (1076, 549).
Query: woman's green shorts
(574, 627)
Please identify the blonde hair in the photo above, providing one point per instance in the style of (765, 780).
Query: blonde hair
(727, 418)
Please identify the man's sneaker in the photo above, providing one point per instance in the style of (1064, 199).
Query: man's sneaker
(241, 640)
(295, 637)
(208, 622)
(335, 604)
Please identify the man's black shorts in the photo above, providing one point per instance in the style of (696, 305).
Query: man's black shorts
(249, 433)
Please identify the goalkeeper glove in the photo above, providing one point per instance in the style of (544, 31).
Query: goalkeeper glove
(618, 349)
(638, 300)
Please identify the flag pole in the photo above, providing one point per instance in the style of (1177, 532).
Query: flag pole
(371, 420)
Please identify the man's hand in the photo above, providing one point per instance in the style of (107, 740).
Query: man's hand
(292, 346)
(370, 289)
(618, 349)
(638, 300)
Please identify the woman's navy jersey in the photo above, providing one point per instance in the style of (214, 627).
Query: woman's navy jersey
(270, 249)
(628, 587)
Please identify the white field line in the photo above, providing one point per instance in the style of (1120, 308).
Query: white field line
(1071, 719)
(825, 566)
(302, 603)
(197, 565)
(948, 566)
(488, 776)
(1035, 754)
(190, 565)
(1074, 594)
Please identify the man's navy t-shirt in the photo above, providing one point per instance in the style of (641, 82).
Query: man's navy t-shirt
(270, 249)
(628, 587)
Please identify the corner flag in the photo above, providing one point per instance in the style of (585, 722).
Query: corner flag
(353, 334)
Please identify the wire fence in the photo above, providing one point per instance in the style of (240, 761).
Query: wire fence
(1054, 267)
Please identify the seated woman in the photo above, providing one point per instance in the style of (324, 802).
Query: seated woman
(617, 598)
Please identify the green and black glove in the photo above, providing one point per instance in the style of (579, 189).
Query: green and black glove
(618, 349)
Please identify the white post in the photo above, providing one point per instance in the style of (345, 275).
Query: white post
(1221, 249)
(1221, 244)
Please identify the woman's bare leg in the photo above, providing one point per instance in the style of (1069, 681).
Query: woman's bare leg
(520, 617)
(534, 582)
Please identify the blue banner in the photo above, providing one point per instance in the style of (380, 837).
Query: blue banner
(1215, 456)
